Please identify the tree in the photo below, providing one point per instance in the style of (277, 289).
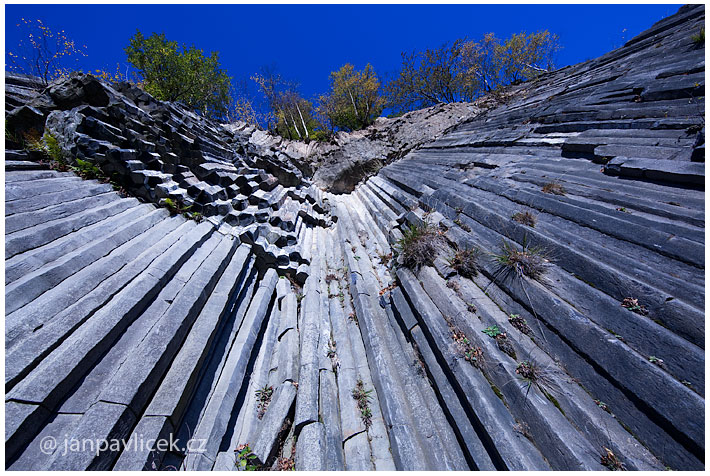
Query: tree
(354, 101)
(241, 107)
(44, 53)
(292, 116)
(466, 69)
(426, 78)
(524, 56)
(173, 73)
(481, 61)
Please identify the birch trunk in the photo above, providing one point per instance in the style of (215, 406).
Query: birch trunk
(302, 121)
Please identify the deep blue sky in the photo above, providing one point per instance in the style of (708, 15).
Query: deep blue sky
(306, 42)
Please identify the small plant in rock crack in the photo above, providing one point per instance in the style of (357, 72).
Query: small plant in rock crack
(622, 209)
(353, 317)
(384, 258)
(519, 323)
(525, 218)
(529, 261)
(462, 225)
(492, 331)
(610, 461)
(472, 355)
(522, 428)
(505, 346)
(465, 262)
(330, 277)
(87, 170)
(656, 361)
(263, 397)
(553, 189)
(285, 464)
(453, 285)
(602, 405)
(175, 206)
(633, 305)
(363, 399)
(501, 339)
(332, 354)
(419, 245)
(244, 458)
(419, 367)
(699, 38)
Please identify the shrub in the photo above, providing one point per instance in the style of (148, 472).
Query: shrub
(525, 218)
(418, 245)
(465, 262)
(530, 261)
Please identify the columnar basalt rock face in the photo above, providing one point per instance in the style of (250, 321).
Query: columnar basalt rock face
(285, 325)
(159, 151)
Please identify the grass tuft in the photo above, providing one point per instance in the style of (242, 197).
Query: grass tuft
(699, 39)
(418, 246)
(530, 261)
(554, 189)
(465, 262)
(525, 218)
(533, 375)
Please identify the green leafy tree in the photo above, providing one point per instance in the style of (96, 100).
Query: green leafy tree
(44, 53)
(179, 73)
(429, 77)
(354, 101)
(464, 69)
(481, 62)
(526, 56)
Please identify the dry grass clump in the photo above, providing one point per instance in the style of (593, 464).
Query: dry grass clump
(465, 262)
(419, 245)
(554, 188)
(529, 261)
(525, 218)
(533, 375)
(611, 461)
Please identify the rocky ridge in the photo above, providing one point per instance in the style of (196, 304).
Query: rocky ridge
(124, 321)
